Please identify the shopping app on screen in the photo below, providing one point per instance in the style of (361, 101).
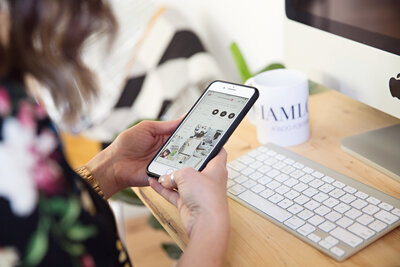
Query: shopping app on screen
(202, 130)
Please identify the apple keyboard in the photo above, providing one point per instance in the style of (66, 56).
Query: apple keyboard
(332, 212)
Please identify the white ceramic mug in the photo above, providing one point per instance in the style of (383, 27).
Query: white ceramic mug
(281, 112)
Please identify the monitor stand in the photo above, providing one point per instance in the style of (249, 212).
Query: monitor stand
(379, 148)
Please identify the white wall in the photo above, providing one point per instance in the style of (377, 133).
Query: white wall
(256, 25)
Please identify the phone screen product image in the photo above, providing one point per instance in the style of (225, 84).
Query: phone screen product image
(205, 128)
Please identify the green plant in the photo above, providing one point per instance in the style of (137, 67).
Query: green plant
(242, 67)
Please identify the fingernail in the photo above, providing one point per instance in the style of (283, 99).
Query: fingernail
(161, 180)
(148, 179)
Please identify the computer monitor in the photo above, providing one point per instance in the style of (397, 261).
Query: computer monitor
(352, 46)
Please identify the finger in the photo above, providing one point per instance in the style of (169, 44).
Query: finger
(218, 163)
(166, 127)
(170, 195)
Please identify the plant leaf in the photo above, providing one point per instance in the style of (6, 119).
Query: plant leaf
(72, 212)
(128, 196)
(80, 232)
(240, 62)
(172, 250)
(38, 243)
(272, 66)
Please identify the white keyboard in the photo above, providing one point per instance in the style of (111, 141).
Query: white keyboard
(330, 211)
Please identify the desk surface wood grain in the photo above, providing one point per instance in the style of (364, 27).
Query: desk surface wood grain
(254, 241)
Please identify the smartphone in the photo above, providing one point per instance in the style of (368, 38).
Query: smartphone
(205, 129)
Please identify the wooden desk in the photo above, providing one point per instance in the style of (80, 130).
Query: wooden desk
(254, 241)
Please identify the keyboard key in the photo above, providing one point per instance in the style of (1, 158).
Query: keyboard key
(331, 240)
(292, 194)
(377, 225)
(386, 217)
(271, 153)
(353, 213)
(316, 220)
(359, 204)
(282, 177)
(365, 219)
(258, 188)
(306, 229)
(386, 206)
(254, 153)
(297, 174)
(291, 182)
(313, 237)
(333, 216)
(241, 179)
(344, 222)
(370, 209)
(325, 244)
(322, 210)
(300, 187)
(289, 161)
(229, 183)
(350, 189)
(264, 169)
(275, 198)
(246, 159)
(274, 184)
(236, 189)
(279, 165)
(316, 183)
(346, 237)
(262, 157)
(236, 165)
(310, 192)
(306, 178)
(247, 171)
(338, 184)
(270, 161)
(283, 189)
(306, 214)
(294, 222)
(272, 173)
(320, 197)
(262, 149)
(396, 212)
(232, 173)
(298, 165)
(265, 206)
(288, 169)
(249, 184)
(331, 202)
(337, 193)
(328, 179)
(317, 174)
(267, 193)
(361, 195)
(308, 170)
(373, 200)
(286, 203)
(341, 207)
(348, 198)
(294, 209)
(327, 226)
(256, 175)
(361, 231)
(337, 251)
(256, 164)
(264, 180)
(311, 205)
(326, 188)
(301, 199)
(280, 157)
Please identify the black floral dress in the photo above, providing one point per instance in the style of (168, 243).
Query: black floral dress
(49, 216)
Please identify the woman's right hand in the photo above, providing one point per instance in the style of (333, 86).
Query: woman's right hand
(202, 202)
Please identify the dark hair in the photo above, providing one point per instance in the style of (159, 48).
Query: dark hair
(45, 40)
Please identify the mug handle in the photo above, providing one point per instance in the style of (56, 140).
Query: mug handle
(252, 112)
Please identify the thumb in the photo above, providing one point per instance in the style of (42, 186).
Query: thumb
(218, 163)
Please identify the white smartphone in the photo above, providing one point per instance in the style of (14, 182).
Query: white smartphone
(205, 128)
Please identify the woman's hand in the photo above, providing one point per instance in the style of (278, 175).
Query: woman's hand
(203, 206)
(124, 162)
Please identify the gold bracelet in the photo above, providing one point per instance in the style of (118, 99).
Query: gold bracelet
(87, 176)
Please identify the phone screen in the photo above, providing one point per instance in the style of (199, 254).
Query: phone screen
(202, 130)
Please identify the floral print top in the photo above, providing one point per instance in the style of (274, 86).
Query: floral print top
(49, 216)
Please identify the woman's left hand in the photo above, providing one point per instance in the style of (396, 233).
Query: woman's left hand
(124, 162)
